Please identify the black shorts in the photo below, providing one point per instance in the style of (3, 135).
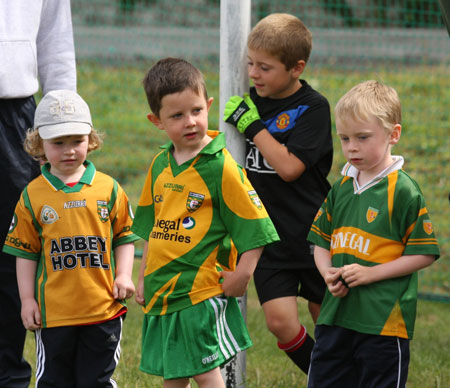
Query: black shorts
(346, 358)
(272, 283)
(78, 356)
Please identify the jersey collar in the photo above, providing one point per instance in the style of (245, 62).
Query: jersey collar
(217, 143)
(86, 178)
(351, 171)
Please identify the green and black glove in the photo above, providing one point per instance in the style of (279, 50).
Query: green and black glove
(243, 114)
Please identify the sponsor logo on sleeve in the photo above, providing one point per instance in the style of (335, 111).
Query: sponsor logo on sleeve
(255, 199)
(427, 227)
(13, 223)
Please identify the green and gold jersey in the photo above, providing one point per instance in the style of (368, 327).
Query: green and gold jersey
(372, 225)
(196, 218)
(71, 232)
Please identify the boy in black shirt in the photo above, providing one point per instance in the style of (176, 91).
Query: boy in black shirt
(289, 153)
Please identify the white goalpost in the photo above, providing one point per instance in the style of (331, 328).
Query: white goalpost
(234, 29)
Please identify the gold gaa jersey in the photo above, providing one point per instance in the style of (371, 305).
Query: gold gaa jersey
(71, 233)
(372, 225)
(196, 217)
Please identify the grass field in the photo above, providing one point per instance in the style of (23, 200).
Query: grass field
(267, 367)
(119, 109)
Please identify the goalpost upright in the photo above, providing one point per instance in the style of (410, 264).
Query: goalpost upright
(234, 29)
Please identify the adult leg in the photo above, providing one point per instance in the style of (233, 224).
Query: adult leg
(210, 379)
(98, 353)
(17, 169)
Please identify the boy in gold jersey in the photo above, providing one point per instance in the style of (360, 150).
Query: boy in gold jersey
(71, 233)
(197, 211)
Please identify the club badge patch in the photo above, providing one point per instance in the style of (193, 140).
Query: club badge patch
(371, 214)
(48, 215)
(283, 121)
(255, 199)
(427, 227)
(194, 201)
(102, 210)
(13, 223)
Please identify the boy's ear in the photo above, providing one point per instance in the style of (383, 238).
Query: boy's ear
(395, 134)
(155, 120)
(298, 68)
(209, 103)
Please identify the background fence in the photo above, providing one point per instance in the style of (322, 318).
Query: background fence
(401, 42)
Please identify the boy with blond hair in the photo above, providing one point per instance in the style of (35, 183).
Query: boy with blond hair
(71, 235)
(372, 234)
(197, 211)
(289, 153)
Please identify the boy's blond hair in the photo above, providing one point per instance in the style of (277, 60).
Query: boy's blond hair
(33, 143)
(369, 100)
(283, 36)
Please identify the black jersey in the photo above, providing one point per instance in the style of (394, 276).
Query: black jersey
(302, 123)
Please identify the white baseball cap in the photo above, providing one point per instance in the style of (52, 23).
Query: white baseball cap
(62, 113)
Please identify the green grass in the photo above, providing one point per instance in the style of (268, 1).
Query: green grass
(119, 108)
(267, 367)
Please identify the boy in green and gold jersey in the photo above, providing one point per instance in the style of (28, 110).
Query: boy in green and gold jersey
(71, 233)
(197, 211)
(372, 234)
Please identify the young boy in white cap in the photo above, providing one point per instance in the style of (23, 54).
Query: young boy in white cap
(74, 246)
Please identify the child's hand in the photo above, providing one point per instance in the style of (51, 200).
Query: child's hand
(356, 275)
(243, 114)
(140, 293)
(332, 279)
(31, 317)
(232, 284)
(123, 287)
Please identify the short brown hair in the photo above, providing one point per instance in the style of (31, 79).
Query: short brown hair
(370, 100)
(283, 36)
(33, 143)
(171, 75)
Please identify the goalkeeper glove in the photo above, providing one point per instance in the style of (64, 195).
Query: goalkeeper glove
(243, 114)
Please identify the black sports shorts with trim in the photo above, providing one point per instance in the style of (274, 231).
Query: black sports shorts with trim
(272, 283)
(346, 358)
(78, 356)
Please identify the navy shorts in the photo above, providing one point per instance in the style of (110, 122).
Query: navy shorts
(346, 358)
(272, 283)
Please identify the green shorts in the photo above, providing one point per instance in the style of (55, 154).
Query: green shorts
(195, 340)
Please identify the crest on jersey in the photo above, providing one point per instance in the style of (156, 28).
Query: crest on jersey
(48, 215)
(283, 121)
(194, 201)
(255, 199)
(318, 214)
(102, 210)
(371, 214)
(13, 223)
(427, 226)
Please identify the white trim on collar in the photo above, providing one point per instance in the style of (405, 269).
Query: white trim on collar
(351, 171)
